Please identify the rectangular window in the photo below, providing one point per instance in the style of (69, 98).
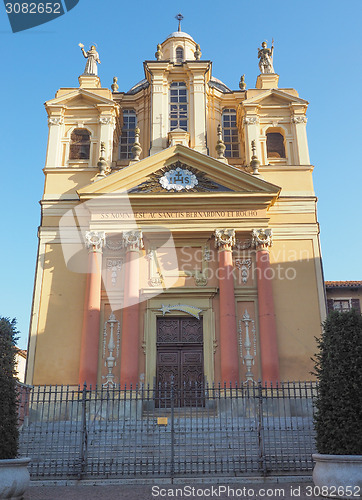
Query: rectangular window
(178, 106)
(230, 133)
(341, 305)
(128, 134)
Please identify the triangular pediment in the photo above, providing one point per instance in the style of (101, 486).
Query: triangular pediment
(274, 97)
(79, 97)
(148, 177)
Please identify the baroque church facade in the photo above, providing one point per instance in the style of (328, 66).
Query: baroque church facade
(179, 238)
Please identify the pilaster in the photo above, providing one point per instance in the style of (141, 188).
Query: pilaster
(133, 243)
(299, 121)
(224, 241)
(88, 368)
(262, 241)
(56, 132)
(252, 132)
(198, 113)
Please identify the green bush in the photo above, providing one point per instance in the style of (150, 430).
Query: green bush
(338, 367)
(9, 433)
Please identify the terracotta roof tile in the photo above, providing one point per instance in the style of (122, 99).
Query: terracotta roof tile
(343, 284)
(22, 352)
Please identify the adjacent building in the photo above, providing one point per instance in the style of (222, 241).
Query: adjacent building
(343, 296)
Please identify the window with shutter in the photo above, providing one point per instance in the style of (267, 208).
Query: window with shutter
(329, 305)
(355, 303)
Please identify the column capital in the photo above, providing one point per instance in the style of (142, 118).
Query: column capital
(251, 120)
(133, 240)
(299, 119)
(55, 120)
(224, 239)
(262, 238)
(95, 240)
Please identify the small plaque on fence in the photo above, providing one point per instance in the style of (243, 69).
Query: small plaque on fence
(162, 420)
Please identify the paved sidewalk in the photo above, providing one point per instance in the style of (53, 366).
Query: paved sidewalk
(220, 488)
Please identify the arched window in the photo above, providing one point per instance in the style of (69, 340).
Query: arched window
(128, 136)
(178, 106)
(79, 144)
(230, 133)
(275, 145)
(179, 54)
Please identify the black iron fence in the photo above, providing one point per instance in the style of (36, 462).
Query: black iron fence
(168, 431)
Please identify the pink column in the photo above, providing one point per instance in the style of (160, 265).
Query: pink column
(267, 325)
(88, 367)
(224, 240)
(130, 321)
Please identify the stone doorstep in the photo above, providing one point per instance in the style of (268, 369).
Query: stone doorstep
(257, 480)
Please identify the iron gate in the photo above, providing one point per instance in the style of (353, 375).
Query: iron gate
(114, 432)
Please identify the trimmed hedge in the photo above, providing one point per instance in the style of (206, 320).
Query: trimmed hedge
(9, 433)
(338, 367)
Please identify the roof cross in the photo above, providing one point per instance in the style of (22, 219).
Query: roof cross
(179, 17)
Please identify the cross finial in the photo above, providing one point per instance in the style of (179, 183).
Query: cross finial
(179, 17)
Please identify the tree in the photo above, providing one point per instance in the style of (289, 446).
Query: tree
(9, 433)
(338, 367)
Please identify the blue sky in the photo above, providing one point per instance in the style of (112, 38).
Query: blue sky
(317, 51)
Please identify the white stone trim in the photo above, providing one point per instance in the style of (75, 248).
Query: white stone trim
(319, 277)
(34, 319)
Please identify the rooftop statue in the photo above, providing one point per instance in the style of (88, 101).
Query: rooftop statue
(266, 58)
(92, 60)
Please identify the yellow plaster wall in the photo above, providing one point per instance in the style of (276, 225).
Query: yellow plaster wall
(67, 181)
(296, 306)
(60, 322)
(289, 179)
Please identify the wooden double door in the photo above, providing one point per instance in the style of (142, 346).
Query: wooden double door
(179, 361)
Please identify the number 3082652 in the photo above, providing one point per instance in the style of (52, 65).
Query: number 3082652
(33, 8)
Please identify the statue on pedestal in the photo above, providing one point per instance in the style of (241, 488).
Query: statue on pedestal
(266, 58)
(92, 60)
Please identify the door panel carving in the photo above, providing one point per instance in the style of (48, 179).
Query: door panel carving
(191, 331)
